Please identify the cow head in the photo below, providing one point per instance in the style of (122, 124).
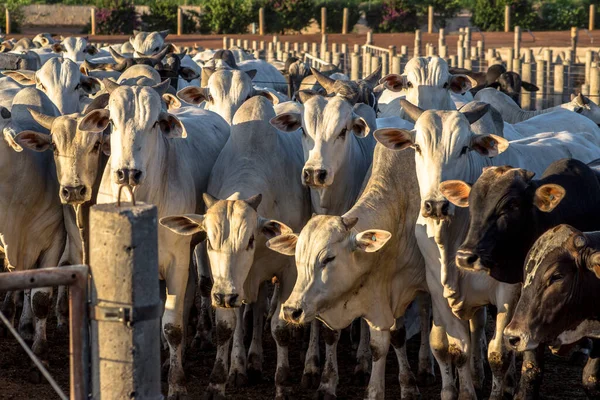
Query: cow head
(327, 125)
(61, 81)
(330, 260)
(584, 106)
(443, 142)
(234, 230)
(361, 91)
(510, 83)
(76, 153)
(75, 48)
(227, 90)
(561, 282)
(139, 124)
(503, 205)
(148, 43)
(427, 83)
(43, 39)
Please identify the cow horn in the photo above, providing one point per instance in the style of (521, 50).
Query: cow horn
(349, 222)
(581, 99)
(160, 55)
(254, 201)
(99, 102)
(372, 79)
(42, 119)
(413, 112)
(209, 200)
(323, 80)
(116, 56)
(475, 114)
(109, 85)
(162, 87)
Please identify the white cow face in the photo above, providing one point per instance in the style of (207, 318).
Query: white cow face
(327, 124)
(76, 153)
(428, 83)
(330, 263)
(61, 81)
(584, 106)
(233, 231)
(225, 93)
(442, 141)
(75, 49)
(138, 125)
(148, 43)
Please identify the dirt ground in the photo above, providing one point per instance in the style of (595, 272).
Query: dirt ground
(561, 381)
(491, 39)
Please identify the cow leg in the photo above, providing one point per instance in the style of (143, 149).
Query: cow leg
(237, 370)
(62, 311)
(408, 383)
(380, 344)
(478, 344)
(330, 377)
(438, 340)
(226, 321)
(26, 321)
(41, 302)
(282, 334)
(173, 326)
(426, 374)
(591, 372)
(203, 337)
(363, 355)
(311, 376)
(273, 304)
(255, 354)
(9, 310)
(531, 374)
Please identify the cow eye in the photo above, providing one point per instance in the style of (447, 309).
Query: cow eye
(579, 110)
(250, 243)
(85, 50)
(556, 277)
(78, 86)
(417, 148)
(156, 48)
(409, 84)
(343, 133)
(464, 150)
(303, 131)
(97, 147)
(327, 261)
(210, 98)
(446, 85)
(208, 245)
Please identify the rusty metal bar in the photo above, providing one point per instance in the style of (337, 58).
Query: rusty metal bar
(43, 277)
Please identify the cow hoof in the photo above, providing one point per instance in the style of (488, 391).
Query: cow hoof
(466, 395)
(311, 381)
(361, 377)
(578, 358)
(164, 370)
(254, 375)
(26, 331)
(34, 376)
(237, 379)
(425, 379)
(283, 393)
(213, 394)
(62, 331)
(324, 395)
(449, 393)
(178, 396)
(412, 394)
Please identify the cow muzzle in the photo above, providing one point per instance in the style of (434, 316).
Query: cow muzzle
(73, 194)
(131, 177)
(436, 209)
(293, 315)
(225, 300)
(316, 177)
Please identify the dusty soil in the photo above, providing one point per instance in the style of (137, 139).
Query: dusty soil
(561, 381)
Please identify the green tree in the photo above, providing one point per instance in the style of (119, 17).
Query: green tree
(335, 13)
(228, 16)
(163, 15)
(488, 15)
(288, 15)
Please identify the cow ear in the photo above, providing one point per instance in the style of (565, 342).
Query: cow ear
(271, 228)
(393, 82)
(34, 140)
(360, 127)
(457, 192)
(188, 74)
(171, 126)
(268, 95)
(593, 264)
(287, 122)
(95, 121)
(284, 244)
(488, 145)
(371, 240)
(106, 144)
(494, 85)
(187, 224)
(395, 138)
(171, 101)
(23, 77)
(90, 85)
(58, 48)
(194, 95)
(164, 33)
(548, 196)
(251, 73)
(460, 83)
(530, 87)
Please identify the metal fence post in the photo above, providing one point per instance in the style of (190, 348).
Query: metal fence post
(125, 304)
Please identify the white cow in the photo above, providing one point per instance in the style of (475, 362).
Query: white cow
(61, 81)
(364, 264)
(447, 149)
(75, 49)
(513, 114)
(168, 159)
(145, 43)
(256, 175)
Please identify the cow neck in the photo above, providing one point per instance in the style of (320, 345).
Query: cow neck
(341, 195)
(515, 114)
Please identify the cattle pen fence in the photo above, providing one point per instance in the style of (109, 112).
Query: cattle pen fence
(114, 306)
(557, 71)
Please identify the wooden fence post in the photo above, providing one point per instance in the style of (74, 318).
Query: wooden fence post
(125, 302)
(355, 67)
(93, 21)
(261, 21)
(7, 22)
(430, 19)
(507, 18)
(323, 20)
(345, 21)
(574, 34)
(592, 17)
(526, 76)
(595, 83)
(418, 43)
(540, 81)
(517, 41)
(559, 84)
(179, 21)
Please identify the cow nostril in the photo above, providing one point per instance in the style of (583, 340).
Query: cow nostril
(428, 206)
(218, 297)
(65, 193)
(120, 175)
(471, 259)
(321, 175)
(306, 174)
(232, 299)
(137, 175)
(82, 191)
(296, 314)
(514, 340)
(444, 208)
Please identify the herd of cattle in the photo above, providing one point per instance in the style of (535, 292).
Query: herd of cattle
(444, 216)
